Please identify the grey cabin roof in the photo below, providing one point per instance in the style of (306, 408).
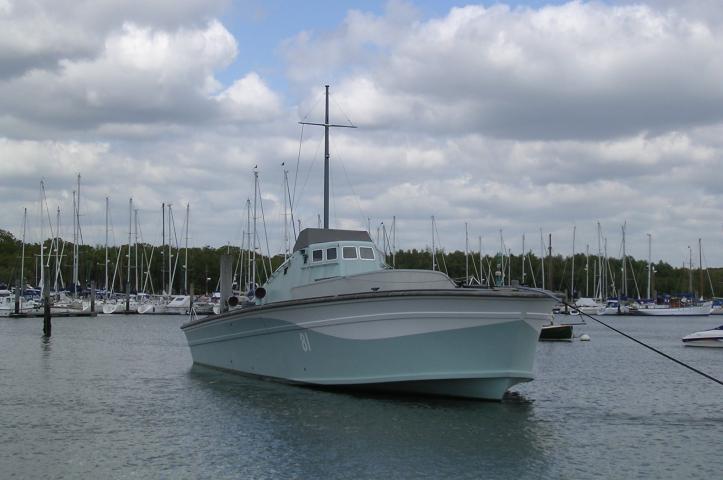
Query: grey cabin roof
(322, 235)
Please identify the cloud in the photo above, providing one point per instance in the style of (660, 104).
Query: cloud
(507, 118)
(577, 70)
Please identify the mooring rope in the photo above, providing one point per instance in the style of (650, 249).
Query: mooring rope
(679, 362)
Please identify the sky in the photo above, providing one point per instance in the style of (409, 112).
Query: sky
(512, 119)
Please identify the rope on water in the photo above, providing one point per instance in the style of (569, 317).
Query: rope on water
(679, 362)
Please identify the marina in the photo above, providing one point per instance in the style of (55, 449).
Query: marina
(374, 239)
(117, 396)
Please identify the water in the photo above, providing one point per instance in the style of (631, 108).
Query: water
(118, 398)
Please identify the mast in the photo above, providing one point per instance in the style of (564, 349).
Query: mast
(76, 244)
(650, 263)
(572, 274)
(163, 245)
(248, 243)
(57, 250)
(587, 269)
(522, 276)
(42, 242)
(286, 220)
(466, 254)
(22, 258)
(700, 263)
(170, 251)
(185, 261)
(433, 250)
(394, 241)
(135, 244)
(625, 270)
(256, 188)
(326, 126)
(690, 269)
(106, 247)
(549, 266)
(542, 258)
(130, 231)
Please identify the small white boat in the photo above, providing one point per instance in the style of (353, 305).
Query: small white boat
(614, 307)
(588, 305)
(707, 338)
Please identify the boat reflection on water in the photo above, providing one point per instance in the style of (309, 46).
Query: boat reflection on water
(325, 434)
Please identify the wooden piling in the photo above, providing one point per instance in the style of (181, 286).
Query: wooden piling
(18, 289)
(128, 296)
(47, 324)
(92, 296)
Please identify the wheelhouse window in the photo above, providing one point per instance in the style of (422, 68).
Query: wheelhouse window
(348, 252)
(317, 255)
(367, 253)
(331, 253)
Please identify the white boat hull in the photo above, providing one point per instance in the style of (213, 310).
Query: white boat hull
(674, 312)
(447, 344)
(707, 338)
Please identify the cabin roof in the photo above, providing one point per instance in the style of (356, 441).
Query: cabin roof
(309, 236)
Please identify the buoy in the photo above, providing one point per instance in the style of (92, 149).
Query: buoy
(584, 337)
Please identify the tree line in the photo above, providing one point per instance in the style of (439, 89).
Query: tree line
(203, 269)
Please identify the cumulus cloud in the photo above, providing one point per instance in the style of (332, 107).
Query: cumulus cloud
(508, 118)
(563, 71)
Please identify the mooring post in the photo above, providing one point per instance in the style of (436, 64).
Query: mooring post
(47, 325)
(128, 297)
(226, 271)
(17, 298)
(92, 297)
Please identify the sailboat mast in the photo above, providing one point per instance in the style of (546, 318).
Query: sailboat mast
(170, 251)
(163, 246)
(542, 258)
(248, 243)
(522, 277)
(625, 261)
(76, 244)
(130, 231)
(253, 253)
(650, 263)
(42, 242)
(185, 261)
(57, 249)
(572, 273)
(700, 270)
(433, 250)
(690, 269)
(22, 258)
(286, 219)
(466, 254)
(106, 247)
(135, 245)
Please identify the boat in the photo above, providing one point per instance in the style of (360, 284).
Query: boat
(335, 315)
(614, 307)
(693, 310)
(707, 338)
(588, 305)
(556, 332)
(176, 305)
